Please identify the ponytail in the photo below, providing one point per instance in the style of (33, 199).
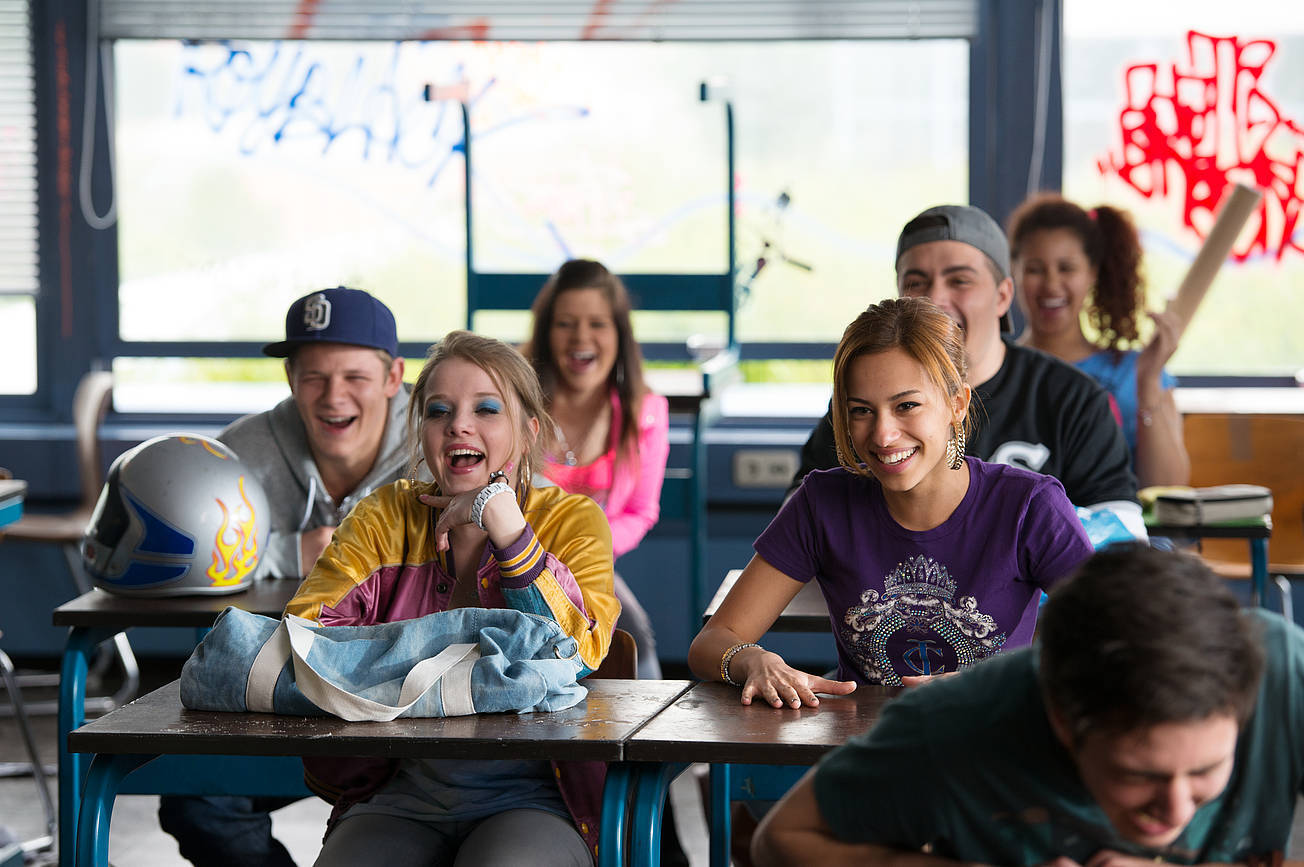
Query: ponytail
(1118, 297)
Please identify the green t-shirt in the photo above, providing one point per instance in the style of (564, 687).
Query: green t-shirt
(971, 766)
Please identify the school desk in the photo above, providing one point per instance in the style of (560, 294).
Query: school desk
(97, 615)
(805, 613)
(1255, 532)
(157, 726)
(709, 724)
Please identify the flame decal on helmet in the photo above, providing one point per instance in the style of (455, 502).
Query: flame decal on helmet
(236, 558)
(208, 447)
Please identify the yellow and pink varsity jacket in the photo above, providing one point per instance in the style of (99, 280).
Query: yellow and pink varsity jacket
(382, 566)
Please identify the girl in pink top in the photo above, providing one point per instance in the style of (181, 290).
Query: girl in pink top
(614, 433)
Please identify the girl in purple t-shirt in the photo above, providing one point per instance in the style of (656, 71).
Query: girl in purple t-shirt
(929, 561)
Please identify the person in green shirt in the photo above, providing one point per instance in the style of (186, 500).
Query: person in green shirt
(1154, 720)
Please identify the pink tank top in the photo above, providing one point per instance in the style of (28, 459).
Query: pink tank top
(592, 480)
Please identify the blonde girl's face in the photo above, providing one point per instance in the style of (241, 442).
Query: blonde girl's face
(900, 420)
(583, 339)
(468, 428)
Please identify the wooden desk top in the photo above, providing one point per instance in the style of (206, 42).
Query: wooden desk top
(100, 608)
(807, 611)
(595, 729)
(709, 724)
(684, 389)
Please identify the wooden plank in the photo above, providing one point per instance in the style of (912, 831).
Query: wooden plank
(593, 730)
(710, 724)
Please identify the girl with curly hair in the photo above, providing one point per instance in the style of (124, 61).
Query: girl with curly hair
(1072, 265)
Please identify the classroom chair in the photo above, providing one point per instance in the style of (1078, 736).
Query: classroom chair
(621, 662)
(37, 768)
(90, 404)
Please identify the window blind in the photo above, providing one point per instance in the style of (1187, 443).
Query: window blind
(539, 20)
(18, 226)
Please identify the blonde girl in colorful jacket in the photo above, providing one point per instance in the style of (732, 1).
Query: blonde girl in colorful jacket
(480, 535)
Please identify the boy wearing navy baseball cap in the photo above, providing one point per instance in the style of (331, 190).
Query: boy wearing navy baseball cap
(339, 315)
(335, 439)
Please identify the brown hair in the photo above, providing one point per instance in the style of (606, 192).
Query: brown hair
(1112, 246)
(1140, 637)
(916, 326)
(626, 374)
(514, 378)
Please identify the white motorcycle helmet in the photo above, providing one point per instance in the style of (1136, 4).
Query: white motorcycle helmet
(179, 515)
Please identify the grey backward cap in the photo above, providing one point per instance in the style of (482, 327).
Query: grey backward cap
(963, 223)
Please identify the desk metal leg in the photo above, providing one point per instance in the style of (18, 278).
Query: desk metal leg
(615, 815)
(651, 784)
(1259, 568)
(697, 543)
(721, 818)
(72, 713)
(106, 773)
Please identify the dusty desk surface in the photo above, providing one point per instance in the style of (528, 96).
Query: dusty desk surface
(593, 730)
(709, 724)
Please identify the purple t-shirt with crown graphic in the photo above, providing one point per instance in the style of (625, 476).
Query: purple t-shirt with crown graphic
(903, 602)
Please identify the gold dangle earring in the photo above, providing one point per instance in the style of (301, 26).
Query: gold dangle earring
(412, 475)
(955, 447)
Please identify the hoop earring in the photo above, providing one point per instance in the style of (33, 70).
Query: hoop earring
(853, 464)
(523, 480)
(955, 448)
(412, 474)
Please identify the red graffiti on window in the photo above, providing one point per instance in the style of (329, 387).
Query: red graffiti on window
(1198, 126)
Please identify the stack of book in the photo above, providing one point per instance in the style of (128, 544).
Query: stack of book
(1216, 505)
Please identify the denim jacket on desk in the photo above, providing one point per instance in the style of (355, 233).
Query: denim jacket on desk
(382, 566)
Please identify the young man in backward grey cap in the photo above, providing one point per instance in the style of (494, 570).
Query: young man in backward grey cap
(1031, 410)
(336, 438)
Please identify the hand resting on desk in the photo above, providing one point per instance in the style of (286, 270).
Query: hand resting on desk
(772, 680)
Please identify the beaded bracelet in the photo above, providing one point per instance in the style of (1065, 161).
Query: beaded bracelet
(728, 657)
(487, 493)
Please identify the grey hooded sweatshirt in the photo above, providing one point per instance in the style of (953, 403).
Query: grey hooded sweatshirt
(274, 445)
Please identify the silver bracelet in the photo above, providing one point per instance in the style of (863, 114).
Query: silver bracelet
(487, 493)
(728, 657)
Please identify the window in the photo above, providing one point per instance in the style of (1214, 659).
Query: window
(18, 232)
(1246, 113)
(251, 173)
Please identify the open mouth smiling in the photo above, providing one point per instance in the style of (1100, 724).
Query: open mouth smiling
(463, 459)
(337, 422)
(897, 457)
